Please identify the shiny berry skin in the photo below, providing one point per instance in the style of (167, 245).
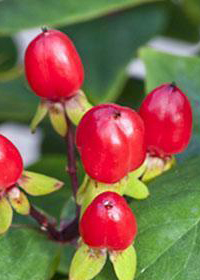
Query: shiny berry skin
(167, 116)
(108, 222)
(53, 67)
(11, 164)
(110, 139)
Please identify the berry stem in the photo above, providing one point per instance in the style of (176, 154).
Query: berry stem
(45, 224)
(69, 233)
(71, 159)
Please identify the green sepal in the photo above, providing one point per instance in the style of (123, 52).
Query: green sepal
(6, 215)
(82, 190)
(19, 201)
(136, 188)
(76, 107)
(58, 119)
(138, 172)
(124, 263)
(94, 188)
(87, 263)
(40, 114)
(38, 184)
(156, 166)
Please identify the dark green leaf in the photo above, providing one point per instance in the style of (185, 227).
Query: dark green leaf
(55, 165)
(8, 53)
(107, 45)
(50, 12)
(168, 243)
(26, 254)
(17, 102)
(192, 8)
(179, 24)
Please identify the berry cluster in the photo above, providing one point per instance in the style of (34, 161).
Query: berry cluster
(113, 141)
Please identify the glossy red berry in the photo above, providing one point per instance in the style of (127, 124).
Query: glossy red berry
(11, 164)
(167, 116)
(110, 139)
(108, 222)
(53, 67)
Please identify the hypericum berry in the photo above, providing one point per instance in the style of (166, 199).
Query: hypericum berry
(167, 116)
(11, 165)
(110, 139)
(108, 222)
(53, 67)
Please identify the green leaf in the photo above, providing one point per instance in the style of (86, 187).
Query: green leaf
(37, 184)
(56, 13)
(19, 201)
(26, 254)
(180, 26)
(192, 8)
(107, 45)
(87, 263)
(6, 215)
(40, 114)
(67, 253)
(167, 243)
(17, 102)
(124, 263)
(136, 188)
(8, 54)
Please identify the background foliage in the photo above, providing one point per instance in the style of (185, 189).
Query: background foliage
(108, 35)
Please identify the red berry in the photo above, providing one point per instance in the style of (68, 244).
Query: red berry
(108, 222)
(53, 67)
(11, 164)
(167, 116)
(110, 139)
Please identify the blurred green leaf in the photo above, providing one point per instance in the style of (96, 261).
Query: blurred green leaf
(107, 45)
(192, 8)
(55, 166)
(67, 253)
(26, 254)
(132, 94)
(50, 12)
(180, 26)
(17, 102)
(163, 67)
(168, 242)
(8, 53)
